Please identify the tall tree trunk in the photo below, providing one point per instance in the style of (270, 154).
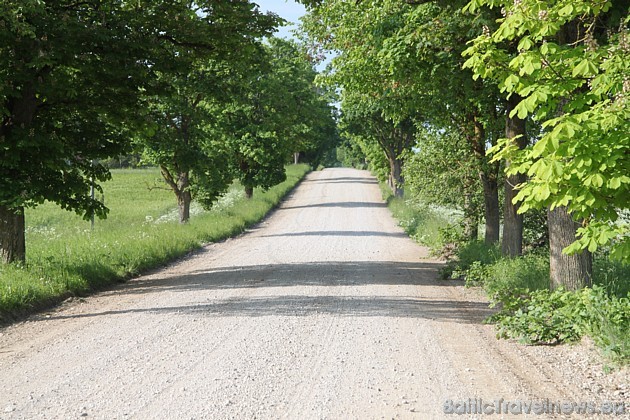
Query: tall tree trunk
(22, 111)
(515, 129)
(395, 171)
(488, 176)
(296, 158)
(571, 271)
(184, 197)
(471, 220)
(491, 208)
(12, 242)
(183, 205)
(249, 192)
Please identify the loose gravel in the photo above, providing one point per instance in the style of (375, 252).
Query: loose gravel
(324, 310)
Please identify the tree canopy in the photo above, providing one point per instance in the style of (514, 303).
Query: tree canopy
(538, 89)
(571, 71)
(81, 82)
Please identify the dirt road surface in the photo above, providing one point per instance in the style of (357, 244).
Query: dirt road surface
(324, 310)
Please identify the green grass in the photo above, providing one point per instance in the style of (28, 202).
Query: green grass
(421, 223)
(527, 272)
(528, 309)
(65, 257)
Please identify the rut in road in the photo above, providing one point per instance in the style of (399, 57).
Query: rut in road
(324, 310)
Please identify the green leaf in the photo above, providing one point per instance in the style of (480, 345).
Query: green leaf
(566, 10)
(614, 183)
(585, 68)
(526, 43)
(510, 82)
(541, 192)
(528, 68)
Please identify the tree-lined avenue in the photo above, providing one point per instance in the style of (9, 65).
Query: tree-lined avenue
(324, 310)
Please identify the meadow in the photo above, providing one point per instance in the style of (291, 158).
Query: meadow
(67, 257)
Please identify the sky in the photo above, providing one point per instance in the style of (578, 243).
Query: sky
(291, 11)
(287, 9)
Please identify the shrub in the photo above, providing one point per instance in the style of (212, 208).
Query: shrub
(539, 316)
(527, 272)
(471, 261)
(556, 316)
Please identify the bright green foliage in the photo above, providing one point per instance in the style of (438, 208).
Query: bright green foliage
(453, 180)
(374, 109)
(306, 118)
(186, 144)
(80, 79)
(349, 154)
(370, 149)
(399, 71)
(571, 70)
(545, 316)
(182, 142)
(530, 271)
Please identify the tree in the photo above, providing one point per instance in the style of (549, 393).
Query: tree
(453, 180)
(219, 40)
(403, 60)
(71, 73)
(356, 33)
(275, 112)
(307, 118)
(192, 160)
(571, 71)
(257, 152)
(516, 132)
(425, 57)
(394, 140)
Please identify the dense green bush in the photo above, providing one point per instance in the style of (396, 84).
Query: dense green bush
(519, 287)
(470, 262)
(527, 272)
(555, 316)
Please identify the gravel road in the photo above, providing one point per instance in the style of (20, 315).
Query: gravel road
(324, 310)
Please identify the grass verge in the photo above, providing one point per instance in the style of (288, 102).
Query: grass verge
(519, 287)
(422, 223)
(65, 257)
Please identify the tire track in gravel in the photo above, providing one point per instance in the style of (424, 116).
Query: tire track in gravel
(324, 310)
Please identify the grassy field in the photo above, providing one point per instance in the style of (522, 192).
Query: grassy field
(65, 257)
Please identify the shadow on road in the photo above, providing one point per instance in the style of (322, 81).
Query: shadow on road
(342, 180)
(322, 276)
(292, 305)
(352, 233)
(341, 204)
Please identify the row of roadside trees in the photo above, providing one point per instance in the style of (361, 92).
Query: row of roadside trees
(467, 102)
(192, 86)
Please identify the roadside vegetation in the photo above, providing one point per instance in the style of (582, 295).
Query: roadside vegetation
(67, 258)
(515, 114)
(527, 308)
